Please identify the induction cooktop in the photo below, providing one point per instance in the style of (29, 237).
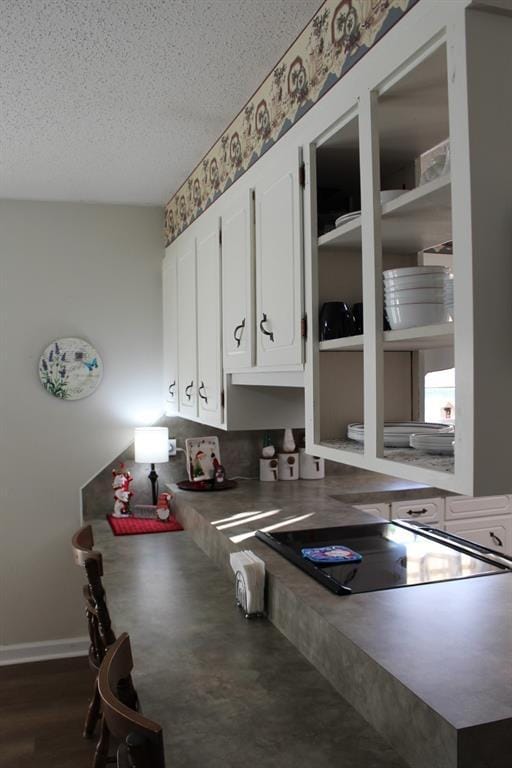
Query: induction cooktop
(396, 554)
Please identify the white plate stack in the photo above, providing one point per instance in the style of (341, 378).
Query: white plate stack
(397, 434)
(448, 295)
(415, 296)
(440, 442)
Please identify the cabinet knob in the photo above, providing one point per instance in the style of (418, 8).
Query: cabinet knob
(264, 319)
(171, 388)
(203, 397)
(187, 390)
(238, 336)
(496, 539)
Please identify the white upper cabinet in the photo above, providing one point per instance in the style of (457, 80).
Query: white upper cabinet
(279, 264)
(170, 331)
(187, 325)
(415, 153)
(209, 347)
(237, 282)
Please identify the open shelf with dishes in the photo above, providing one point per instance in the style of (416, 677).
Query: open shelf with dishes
(393, 259)
(414, 154)
(437, 336)
(417, 219)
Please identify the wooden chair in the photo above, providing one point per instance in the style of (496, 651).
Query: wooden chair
(97, 614)
(141, 741)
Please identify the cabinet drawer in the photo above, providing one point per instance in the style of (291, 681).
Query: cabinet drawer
(458, 507)
(377, 510)
(493, 532)
(424, 510)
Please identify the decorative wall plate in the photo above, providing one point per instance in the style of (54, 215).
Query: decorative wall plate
(70, 368)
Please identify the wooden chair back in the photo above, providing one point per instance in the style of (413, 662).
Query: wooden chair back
(98, 617)
(141, 738)
(82, 545)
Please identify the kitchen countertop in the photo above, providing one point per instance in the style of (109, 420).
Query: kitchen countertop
(447, 645)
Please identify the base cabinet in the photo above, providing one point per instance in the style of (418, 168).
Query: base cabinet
(458, 507)
(376, 510)
(422, 511)
(492, 532)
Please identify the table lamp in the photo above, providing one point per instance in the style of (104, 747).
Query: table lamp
(152, 447)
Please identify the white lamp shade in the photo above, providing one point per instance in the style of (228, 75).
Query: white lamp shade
(151, 445)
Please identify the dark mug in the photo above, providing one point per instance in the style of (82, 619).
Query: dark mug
(336, 321)
(357, 311)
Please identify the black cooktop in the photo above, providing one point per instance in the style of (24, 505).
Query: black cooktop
(394, 554)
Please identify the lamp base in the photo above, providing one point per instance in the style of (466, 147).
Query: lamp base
(153, 478)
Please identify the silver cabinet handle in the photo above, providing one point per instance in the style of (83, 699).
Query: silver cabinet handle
(264, 319)
(187, 390)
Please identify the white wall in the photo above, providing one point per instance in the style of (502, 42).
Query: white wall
(67, 269)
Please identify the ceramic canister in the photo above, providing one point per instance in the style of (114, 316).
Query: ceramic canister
(311, 467)
(288, 466)
(268, 469)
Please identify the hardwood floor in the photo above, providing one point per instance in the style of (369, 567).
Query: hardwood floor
(42, 709)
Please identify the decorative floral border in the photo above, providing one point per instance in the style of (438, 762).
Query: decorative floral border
(337, 37)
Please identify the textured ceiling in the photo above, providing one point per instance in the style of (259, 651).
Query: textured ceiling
(117, 100)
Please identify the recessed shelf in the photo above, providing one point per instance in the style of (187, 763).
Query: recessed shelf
(410, 456)
(426, 337)
(418, 219)
(410, 339)
(348, 236)
(349, 343)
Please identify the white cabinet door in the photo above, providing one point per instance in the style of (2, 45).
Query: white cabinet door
(377, 510)
(458, 507)
(279, 267)
(238, 283)
(209, 345)
(170, 330)
(422, 510)
(493, 532)
(187, 329)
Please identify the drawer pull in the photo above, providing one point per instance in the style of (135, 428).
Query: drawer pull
(187, 392)
(496, 539)
(238, 337)
(264, 319)
(203, 397)
(417, 511)
(171, 388)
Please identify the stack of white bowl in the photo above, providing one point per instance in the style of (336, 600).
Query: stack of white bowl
(415, 296)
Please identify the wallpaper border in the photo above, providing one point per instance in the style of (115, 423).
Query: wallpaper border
(337, 37)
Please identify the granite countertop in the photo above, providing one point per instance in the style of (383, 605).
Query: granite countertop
(449, 643)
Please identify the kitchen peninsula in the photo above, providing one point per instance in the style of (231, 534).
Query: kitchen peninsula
(427, 666)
